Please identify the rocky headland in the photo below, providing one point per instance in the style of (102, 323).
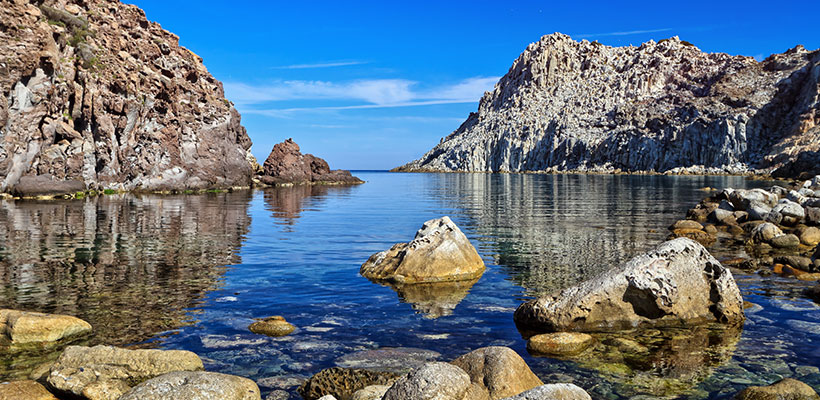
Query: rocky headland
(664, 107)
(95, 96)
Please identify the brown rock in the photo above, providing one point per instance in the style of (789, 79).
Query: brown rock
(697, 235)
(343, 382)
(287, 165)
(809, 235)
(498, 371)
(439, 253)
(765, 232)
(272, 326)
(686, 224)
(74, 110)
(559, 343)
(28, 327)
(24, 390)
(786, 389)
(711, 230)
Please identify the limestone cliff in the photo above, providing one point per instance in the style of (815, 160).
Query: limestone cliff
(664, 107)
(94, 94)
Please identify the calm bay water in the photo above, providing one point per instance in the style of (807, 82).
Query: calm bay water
(191, 272)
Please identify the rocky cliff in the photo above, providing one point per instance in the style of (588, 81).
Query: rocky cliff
(663, 107)
(94, 94)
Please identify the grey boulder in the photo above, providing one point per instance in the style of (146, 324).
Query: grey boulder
(554, 391)
(678, 283)
(195, 386)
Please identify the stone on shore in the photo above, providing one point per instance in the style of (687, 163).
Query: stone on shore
(272, 326)
(343, 382)
(554, 391)
(765, 232)
(29, 327)
(439, 253)
(678, 283)
(786, 389)
(741, 199)
(24, 390)
(809, 235)
(786, 212)
(372, 392)
(46, 185)
(200, 385)
(433, 381)
(786, 241)
(686, 224)
(559, 343)
(497, 371)
(95, 373)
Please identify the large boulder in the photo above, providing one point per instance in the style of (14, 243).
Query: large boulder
(104, 372)
(29, 327)
(497, 371)
(554, 391)
(439, 253)
(678, 283)
(786, 389)
(24, 390)
(433, 381)
(186, 385)
(287, 165)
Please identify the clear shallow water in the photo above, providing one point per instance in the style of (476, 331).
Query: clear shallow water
(191, 272)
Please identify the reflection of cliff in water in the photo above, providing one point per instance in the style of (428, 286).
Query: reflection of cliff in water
(130, 265)
(553, 231)
(286, 203)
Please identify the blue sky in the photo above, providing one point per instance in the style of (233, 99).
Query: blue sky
(372, 85)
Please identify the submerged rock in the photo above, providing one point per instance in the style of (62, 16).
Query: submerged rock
(390, 359)
(678, 283)
(95, 372)
(497, 372)
(436, 299)
(786, 389)
(28, 327)
(24, 390)
(201, 385)
(559, 343)
(287, 165)
(553, 391)
(439, 253)
(272, 326)
(343, 382)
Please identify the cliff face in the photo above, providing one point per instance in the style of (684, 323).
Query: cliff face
(665, 107)
(93, 93)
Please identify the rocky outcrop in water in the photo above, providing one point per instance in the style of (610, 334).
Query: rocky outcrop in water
(287, 165)
(438, 253)
(664, 107)
(679, 283)
(93, 95)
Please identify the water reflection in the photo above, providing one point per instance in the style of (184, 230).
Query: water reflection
(286, 203)
(434, 300)
(129, 265)
(549, 232)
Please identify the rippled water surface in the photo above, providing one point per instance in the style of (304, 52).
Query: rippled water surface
(192, 271)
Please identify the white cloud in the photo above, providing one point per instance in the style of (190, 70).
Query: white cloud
(374, 93)
(623, 33)
(330, 64)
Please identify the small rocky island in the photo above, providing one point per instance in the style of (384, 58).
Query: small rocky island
(286, 165)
